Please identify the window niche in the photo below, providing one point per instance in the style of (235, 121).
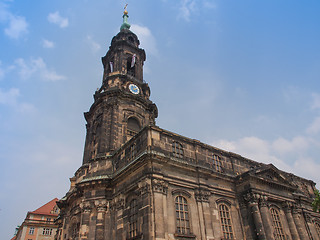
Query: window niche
(177, 150)
(277, 225)
(133, 127)
(317, 226)
(216, 162)
(183, 226)
(225, 220)
(182, 215)
(131, 65)
(133, 219)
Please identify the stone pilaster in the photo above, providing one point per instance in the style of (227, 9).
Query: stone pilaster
(253, 199)
(101, 206)
(287, 206)
(266, 217)
(299, 221)
(160, 189)
(202, 198)
(86, 207)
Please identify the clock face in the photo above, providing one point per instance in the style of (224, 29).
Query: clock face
(134, 89)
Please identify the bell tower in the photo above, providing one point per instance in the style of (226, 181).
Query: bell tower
(121, 106)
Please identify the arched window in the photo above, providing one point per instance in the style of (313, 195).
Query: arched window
(177, 150)
(133, 127)
(131, 64)
(278, 230)
(74, 230)
(216, 162)
(182, 215)
(317, 225)
(133, 219)
(225, 219)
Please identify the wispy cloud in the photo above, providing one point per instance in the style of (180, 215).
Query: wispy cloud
(37, 66)
(47, 44)
(55, 18)
(10, 98)
(1, 71)
(147, 40)
(187, 7)
(16, 26)
(314, 128)
(93, 44)
(287, 154)
(316, 101)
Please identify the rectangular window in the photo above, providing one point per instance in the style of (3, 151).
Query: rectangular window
(47, 231)
(48, 219)
(31, 230)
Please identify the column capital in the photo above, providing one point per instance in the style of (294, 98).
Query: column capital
(86, 206)
(101, 205)
(263, 201)
(252, 198)
(144, 188)
(202, 195)
(160, 186)
(287, 206)
(296, 209)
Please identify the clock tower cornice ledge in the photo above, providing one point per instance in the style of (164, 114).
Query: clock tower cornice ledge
(112, 96)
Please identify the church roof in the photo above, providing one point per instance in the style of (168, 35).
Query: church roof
(47, 208)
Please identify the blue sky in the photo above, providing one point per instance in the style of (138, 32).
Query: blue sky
(240, 75)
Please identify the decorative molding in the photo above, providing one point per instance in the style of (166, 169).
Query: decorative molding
(86, 206)
(252, 198)
(144, 188)
(263, 201)
(308, 217)
(160, 186)
(202, 195)
(287, 206)
(296, 209)
(101, 205)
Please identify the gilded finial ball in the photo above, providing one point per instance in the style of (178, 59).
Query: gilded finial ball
(125, 12)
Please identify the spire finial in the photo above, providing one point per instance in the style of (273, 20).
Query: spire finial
(125, 24)
(125, 9)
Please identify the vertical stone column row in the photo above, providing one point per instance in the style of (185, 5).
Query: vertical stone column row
(253, 199)
(299, 221)
(266, 217)
(287, 206)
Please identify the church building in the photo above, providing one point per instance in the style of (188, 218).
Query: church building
(138, 181)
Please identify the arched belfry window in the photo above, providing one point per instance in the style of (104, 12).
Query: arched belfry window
(276, 222)
(133, 127)
(131, 65)
(133, 219)
(225, 219)
(182, 215)
(177, 150)
(110, 66)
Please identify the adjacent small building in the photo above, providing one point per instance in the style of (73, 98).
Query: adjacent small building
(40, 224)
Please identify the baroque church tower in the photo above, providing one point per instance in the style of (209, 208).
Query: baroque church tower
(122, 106)
(138, 181)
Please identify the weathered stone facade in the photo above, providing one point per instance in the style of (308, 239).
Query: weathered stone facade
(138, 181)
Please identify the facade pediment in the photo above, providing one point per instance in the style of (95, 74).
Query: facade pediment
(269, 175)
